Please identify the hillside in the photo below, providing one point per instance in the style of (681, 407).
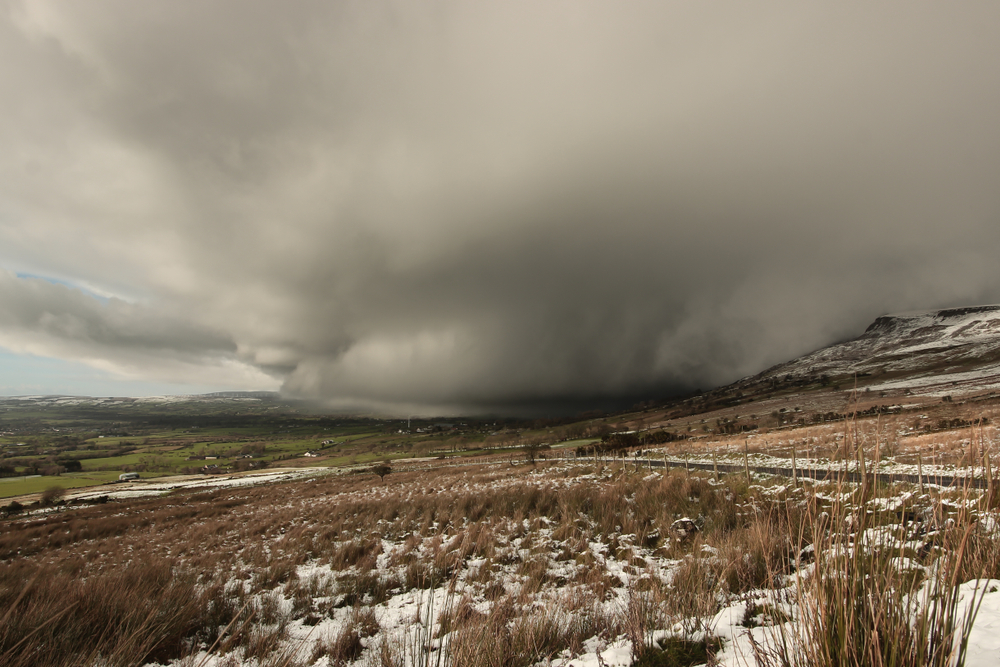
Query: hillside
(934, 353)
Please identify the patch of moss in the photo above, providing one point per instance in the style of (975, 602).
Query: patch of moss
(755, 613)
(678, 652)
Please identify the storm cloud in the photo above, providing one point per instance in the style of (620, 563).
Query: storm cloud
(443, 207)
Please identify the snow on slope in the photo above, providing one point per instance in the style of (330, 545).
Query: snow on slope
(936, 352)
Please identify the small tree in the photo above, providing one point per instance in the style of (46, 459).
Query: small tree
(382, 469)
(532, 451)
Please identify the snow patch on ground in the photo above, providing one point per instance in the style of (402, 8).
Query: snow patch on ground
(156, 488)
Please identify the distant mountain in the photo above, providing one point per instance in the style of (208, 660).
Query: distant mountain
(937, 353)
(270, 395)
(221, 397)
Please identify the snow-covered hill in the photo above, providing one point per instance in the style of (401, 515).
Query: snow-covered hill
(940, 352)
(58, 400)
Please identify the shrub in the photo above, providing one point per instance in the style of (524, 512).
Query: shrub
(13, 507)
(52, 494)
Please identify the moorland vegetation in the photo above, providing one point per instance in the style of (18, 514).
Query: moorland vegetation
(519, 543)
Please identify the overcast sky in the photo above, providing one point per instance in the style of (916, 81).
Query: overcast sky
(453, 206)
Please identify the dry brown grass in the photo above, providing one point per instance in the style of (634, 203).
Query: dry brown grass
(513, 635)
(346, 645)
(901, 435)
(861, 606)
(547, 544)
(140, 612)
(263, 534)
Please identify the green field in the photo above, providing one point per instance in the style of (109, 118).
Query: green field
(19, 486)
(114, 436)
(576, 443)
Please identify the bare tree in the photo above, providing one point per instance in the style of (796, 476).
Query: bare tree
(531, 452)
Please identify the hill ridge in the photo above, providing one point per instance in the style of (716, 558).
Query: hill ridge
(950, 350)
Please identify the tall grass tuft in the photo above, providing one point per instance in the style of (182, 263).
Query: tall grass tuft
(141, 613)
(868, 602)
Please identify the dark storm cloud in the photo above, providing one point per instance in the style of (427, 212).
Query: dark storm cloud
(450, 206)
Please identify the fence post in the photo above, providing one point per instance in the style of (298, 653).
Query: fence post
(746, 462)
(920, 473)
(794, 482)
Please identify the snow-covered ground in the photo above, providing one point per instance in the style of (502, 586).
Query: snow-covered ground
(404, 621)
(156, 487)
(410, 620)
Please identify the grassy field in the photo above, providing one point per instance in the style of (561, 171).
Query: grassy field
(120, 437)
(108, 442)
(122, 432)
(18, 486)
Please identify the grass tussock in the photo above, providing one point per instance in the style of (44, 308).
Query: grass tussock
(872, 599)
(143, 612)
(513, 635)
